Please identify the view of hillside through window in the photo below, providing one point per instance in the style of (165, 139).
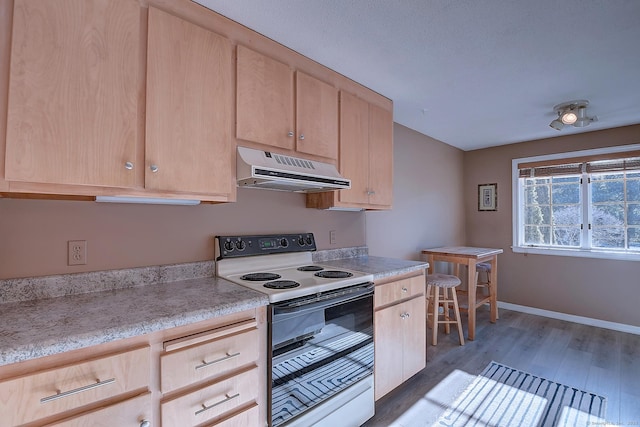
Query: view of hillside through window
(554, 211)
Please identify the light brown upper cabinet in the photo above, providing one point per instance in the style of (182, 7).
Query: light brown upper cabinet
(77, 124)
(264, 100)
(366, 157)
(266, 105)
(317, 117)
(189, 122)
(73, 92)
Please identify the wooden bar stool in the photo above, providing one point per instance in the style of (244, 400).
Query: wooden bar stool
(447, 283)
(485, 289)
(483, 278)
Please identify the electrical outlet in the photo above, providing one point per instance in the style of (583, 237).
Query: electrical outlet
(332, 237)
(77, 250)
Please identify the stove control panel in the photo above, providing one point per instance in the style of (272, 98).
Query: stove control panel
(240, 246)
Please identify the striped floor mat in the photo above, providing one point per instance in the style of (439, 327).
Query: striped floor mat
(503, 396)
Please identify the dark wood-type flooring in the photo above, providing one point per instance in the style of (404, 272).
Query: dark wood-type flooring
(598, 360)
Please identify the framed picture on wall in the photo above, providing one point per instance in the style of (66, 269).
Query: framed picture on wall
(488, 197)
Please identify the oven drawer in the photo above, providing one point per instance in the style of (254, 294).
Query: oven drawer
(57, 390)
(210, 359)
(398, 290)
(212, 401)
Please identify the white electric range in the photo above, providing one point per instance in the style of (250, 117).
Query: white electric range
(320, 329)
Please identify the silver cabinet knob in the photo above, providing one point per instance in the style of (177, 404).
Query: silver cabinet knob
(154, 168)
(290, 134)
(302, 136)
(404, 290)
(145, 423)
(128, 165)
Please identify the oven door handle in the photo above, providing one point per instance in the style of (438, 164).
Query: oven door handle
(324, 300)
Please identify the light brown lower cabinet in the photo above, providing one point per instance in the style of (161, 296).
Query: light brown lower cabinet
(399, 332)
(68, 387)
(211, 401)
(213, 376)
(209, 373)
(249, 416)
(133, 412)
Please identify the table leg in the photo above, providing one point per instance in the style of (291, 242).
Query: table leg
(431, 263)
(471, 289)
(494, 284)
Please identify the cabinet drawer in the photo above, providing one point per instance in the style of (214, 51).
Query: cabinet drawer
(211, 401)
(130, 413)
(246, 417)
(399, 290)
(207, 360)
(56, 390)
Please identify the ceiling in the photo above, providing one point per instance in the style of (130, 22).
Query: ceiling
(470, 73)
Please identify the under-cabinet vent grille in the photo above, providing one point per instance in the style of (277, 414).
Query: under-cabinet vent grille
(292, 161)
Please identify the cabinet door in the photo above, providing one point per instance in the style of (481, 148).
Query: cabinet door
(380, 156)
(73, 92)
(130, 413)
(389, 341)
(189, 108)
(354, 147)
(264, 100)
(415, 335)
(317, 117)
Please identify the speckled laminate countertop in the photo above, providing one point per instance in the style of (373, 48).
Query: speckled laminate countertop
(380, 267)
(41, 327)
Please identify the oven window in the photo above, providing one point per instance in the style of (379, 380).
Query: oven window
(317, 353)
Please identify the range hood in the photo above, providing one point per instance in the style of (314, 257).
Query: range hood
(264, 169)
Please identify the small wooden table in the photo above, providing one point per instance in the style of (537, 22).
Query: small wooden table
(470, 256)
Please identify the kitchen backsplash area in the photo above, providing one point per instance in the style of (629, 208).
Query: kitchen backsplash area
(35, 232)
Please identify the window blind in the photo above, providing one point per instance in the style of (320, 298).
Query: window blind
(617, 165)
(614, 162)
(555, 170)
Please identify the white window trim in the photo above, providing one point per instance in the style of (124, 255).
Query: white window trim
(517, 196)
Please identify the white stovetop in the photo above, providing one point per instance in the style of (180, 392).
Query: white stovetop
(286, 266)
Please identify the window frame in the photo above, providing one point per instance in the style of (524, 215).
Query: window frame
(518, 210)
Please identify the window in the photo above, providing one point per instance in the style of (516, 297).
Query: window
(580, 204)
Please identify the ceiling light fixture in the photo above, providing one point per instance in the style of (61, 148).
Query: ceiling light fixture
(572, 113)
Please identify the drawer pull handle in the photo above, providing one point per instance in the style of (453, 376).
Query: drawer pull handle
(404, 289)
(227, 398)
(222, 359)
(60, 395)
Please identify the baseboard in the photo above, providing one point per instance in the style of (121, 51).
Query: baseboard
(572, 318)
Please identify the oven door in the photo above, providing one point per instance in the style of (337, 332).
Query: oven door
(320, 346)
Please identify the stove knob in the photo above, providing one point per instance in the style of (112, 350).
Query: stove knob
(240, 245)
(301, 241)
(284, 242)
(309, 240)
(228, 245)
